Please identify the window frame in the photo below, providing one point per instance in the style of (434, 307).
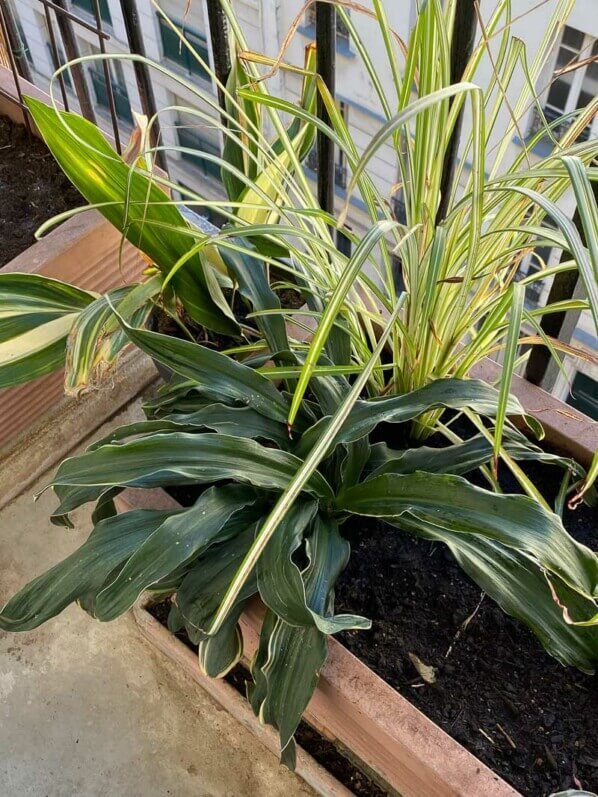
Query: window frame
(81, 5)
(201, 43)
(577, 80)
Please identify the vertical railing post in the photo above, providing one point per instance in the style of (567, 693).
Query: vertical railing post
(220, 47)
(95, 4)
(326, 58)
(566, 285)
(56, 55)
(72, 52)
(14, 42)
(462, 41)
(142, 76)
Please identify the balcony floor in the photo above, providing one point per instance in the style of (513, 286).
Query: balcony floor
(89, 709)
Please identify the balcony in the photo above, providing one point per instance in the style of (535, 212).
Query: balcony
(88, 6)
(175, 51)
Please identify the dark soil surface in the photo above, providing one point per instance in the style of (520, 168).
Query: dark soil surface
(309, 739)
(498, 692)
(32, 188)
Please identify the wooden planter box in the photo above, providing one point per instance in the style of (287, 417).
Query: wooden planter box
(391, 740)
(85, 250)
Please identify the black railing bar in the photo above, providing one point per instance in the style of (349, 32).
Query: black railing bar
(108, 79)
(462, 41)
(13, 68)
(56, 57)
(14, 42)
(142, 75)
(220, 47)
(561, 326)
(71, 50)
(325, 65)
(74, 18)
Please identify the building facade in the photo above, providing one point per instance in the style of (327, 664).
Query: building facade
(265, 23)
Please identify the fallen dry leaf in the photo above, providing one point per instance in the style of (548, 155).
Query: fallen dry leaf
(425, 671)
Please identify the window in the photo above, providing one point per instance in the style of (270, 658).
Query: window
(398, 207)
(66, 75)
(89, 7)
(584, 395)
(340, 160)
(342, 32)
(174, 50)
(343, 243)
(195, 135)
(119, 89)
(573, 89)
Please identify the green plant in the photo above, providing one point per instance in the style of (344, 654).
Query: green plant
(279, 444)
(269, 513)
(459, 272)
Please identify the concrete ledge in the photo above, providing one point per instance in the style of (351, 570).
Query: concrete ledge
(321, 781)
(69, 422)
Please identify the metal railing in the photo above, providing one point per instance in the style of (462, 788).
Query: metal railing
(322, 159)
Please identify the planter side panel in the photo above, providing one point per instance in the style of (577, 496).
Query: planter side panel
(401, 746)
(568, 430)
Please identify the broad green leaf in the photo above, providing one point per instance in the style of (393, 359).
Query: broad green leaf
(90, 349)
(218, 376)
(133, 203)
(458, 458)
(450, 393)
(179, 539)
(521, 589)
(235, 421)
(36, 314)
(514, 521)
(292, 659)
(218, 654)
(176, 458)
(34, 293)
(35, 353)
(110, 545)
(200, 592)
(289, 659)
(282, 584)
(303, 476)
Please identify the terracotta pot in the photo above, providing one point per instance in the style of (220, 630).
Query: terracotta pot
(391, 740)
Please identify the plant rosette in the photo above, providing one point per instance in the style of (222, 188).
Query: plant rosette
(268, 513)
